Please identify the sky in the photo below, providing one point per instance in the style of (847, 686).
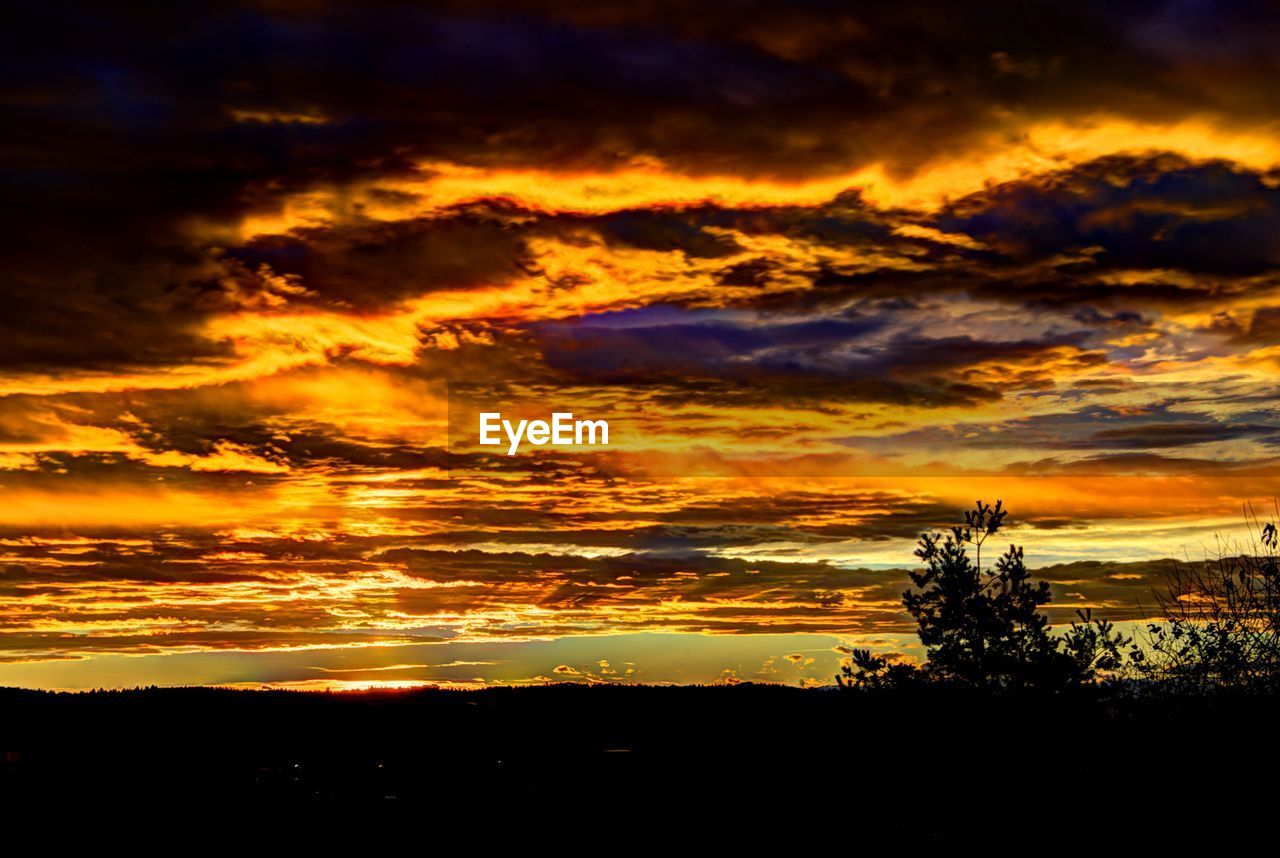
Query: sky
(832, 271)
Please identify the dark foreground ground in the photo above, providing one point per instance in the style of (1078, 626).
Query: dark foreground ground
(918, 767)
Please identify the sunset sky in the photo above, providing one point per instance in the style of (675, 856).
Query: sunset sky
(832, 270)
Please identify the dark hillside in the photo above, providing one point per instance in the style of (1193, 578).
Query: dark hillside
(930, 763)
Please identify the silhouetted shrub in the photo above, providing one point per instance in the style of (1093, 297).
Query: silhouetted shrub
(1220, 629)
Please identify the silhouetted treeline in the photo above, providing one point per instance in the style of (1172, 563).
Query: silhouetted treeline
(1218, 624)
(1215, 630)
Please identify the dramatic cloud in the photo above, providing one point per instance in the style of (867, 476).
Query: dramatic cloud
(834, 270)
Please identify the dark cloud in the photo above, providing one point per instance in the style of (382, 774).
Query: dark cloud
(372, 265)
(129, 126)
(714, 347)
(1258, 327)
(1168, 434)
(1132, 214)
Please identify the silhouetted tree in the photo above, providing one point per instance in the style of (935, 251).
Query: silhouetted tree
(1221, 621)
(983, 628)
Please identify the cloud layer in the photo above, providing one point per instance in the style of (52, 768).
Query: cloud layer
(837, 269)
